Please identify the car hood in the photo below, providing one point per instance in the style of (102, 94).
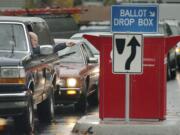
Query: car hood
(71, 69)
(6, 59)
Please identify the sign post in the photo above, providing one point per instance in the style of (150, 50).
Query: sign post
(127, 94)
(128, 47)
(127, 59)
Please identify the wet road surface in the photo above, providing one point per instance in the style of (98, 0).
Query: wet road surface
(66, 117)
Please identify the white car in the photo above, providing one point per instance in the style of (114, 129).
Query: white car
(92, 47)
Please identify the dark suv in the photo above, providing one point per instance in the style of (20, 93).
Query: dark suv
(175, 30)
(61, 25)
(27, 79)
(164, 28)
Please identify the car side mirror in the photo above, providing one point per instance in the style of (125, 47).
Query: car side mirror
(46, 49)
(93, 60)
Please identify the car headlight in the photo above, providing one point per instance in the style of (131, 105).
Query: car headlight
(12, 74)
(3, 124)
(177, 50)
(96, 70)
(71, 82)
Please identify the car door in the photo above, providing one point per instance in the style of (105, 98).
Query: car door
(45, 38)
(92, 67)
(35, 77)
(42, 68)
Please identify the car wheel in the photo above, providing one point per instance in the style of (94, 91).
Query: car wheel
(25, 122)
(173, 74)
(93, 100)
(168, 72)
(81, 105)
(45, 110)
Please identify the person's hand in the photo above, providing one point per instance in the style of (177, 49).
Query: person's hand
(69, 44)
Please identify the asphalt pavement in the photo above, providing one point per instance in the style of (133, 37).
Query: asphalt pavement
(173, 96)
(91, 124)
(66, 118)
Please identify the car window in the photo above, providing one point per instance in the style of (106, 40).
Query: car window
(61, 26)
(43, 35)
(90, 46)
(12, 37)
(71, 54)
(87, 50)
(93, 49)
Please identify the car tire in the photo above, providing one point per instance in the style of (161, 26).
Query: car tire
(25, 122)
(45, 110)
(93, 100)
(178, 68)
(168, 72)
(81, 105)
(173, 74)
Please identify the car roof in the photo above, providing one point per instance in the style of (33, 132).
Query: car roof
(20, 19)
(94, 28)
(78, 35)
(62, 40)
(99, 23)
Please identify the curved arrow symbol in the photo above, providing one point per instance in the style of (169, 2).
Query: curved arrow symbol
(133, 43)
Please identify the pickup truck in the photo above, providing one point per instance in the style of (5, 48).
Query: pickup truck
(27, 79)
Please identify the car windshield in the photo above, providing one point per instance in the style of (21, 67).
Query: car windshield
(71, 54)
(12, 37)
(61, 26)
(92, 48)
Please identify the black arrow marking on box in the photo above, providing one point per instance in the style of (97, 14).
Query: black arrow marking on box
(120, 45)
(133, 43)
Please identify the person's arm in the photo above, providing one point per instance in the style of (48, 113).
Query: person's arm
(61, 46)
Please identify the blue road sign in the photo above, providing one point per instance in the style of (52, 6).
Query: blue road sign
(135, 18)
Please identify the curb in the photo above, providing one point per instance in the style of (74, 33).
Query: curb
(92, 125)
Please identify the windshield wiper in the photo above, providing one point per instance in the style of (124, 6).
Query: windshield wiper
(67, 54)
(58, 59)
